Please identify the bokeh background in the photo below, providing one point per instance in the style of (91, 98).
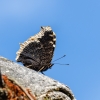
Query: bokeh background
(77, 27)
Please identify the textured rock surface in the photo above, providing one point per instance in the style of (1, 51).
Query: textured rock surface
(39, 85)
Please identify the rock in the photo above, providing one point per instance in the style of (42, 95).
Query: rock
(34, 84)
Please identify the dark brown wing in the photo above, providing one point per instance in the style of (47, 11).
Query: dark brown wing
(37, 52)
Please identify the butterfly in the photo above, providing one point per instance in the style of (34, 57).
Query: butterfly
(37, 52)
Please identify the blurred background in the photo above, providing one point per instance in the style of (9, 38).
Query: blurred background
(77, 27)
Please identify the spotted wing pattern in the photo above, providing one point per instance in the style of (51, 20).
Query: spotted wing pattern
(37, 52)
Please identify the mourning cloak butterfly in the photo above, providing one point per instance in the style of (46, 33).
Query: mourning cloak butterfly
(37, 52)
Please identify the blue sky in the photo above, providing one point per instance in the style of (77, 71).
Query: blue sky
(77, 27)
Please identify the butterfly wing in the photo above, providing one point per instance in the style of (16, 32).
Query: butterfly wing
(37, 52)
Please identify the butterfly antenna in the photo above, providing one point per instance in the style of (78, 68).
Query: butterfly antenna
(59, 58)
(60, 64)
